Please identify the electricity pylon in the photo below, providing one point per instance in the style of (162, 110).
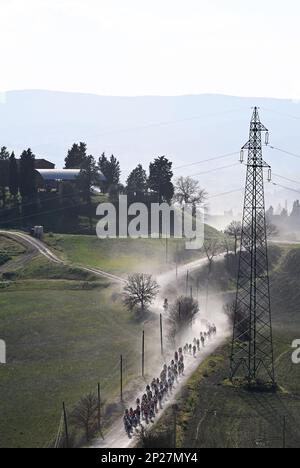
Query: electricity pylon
(252, 346)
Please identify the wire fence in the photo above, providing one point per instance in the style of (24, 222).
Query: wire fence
(106, 396)
(227, 430)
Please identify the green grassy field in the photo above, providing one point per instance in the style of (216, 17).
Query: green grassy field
(61, 340)
(121, 256)
(65, 330)
(10, 247)
(214, 414)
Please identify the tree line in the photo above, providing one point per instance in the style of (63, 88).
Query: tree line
(16, 179)
(19, 188)
(138, 184)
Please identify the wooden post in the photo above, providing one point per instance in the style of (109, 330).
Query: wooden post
(161, 336)
(175, 410)
(66, 425)
(166, 250)
(99, 406)
(206, 300)
(187, 282)
(175, 429)
(176, 261)
(143, 354)
(121, 377)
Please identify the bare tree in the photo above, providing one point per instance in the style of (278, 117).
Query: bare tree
(238, 316)
(140, 291)
(234, 230)
(229, 309)
(181, 315)
(210, 248)
(85, 413)
(152, 438)
(271, 229)
(189, 192)
(225, 243)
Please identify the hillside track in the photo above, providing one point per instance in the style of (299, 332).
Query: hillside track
(39, 247)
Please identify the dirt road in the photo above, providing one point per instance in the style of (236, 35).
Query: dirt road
(116, 437)
(42, 249)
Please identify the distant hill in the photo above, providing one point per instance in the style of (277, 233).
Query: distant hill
(135, 129)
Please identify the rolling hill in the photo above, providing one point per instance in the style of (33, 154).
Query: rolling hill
(185, 128)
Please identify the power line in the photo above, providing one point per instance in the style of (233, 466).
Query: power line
(42, 200)
(158, 124)
(171, 122)
(283, 114)
(282, 177)
(33, 215)
(216, 158)
(226, 193)
(286, 188)
(286, 178)
(216, 169)
(285, 152)
(252, 354)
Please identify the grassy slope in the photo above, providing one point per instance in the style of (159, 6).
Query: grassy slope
(214, 414)
(121, 256)
(60, 342)
(64, 331)
(10, 247)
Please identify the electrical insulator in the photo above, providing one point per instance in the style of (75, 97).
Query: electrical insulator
(242, 156)
(269, 175)
(267, 138)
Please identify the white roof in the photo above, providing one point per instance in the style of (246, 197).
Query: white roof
(61, 174)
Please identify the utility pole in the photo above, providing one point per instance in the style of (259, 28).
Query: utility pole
(187, 282)
(284, 433)
(252, 345)
(143, 354)
(66, 426)
(175, 410)
(121, 377)
(176, 261)
(166, 250)
(207, 295)
(161, 335)
(99, 407)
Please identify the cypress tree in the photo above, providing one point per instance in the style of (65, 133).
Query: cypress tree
(13, 176)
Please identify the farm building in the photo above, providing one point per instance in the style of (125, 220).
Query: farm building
(51, 179)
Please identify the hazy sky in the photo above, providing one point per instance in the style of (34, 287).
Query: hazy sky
(164, 47)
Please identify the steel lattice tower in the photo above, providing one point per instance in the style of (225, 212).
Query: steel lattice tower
(252, 346)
